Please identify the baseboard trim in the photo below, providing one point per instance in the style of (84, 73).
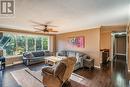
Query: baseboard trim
(97, 67)
(128, 71)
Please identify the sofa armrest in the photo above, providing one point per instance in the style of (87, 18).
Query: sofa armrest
(61, 53)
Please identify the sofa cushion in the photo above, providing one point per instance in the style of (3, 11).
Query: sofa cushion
(47, 53)
(38, 54)
(71, 54)
(64, 52)
(86, 57)
(61, 54)
(81, 54)
(40, 57)
(27, 55)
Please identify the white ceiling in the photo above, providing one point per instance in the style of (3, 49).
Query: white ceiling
(69, 15)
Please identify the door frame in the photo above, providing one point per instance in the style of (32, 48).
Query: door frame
(114, 47)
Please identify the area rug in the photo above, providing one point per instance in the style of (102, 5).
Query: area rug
(27, 78)
(78, 81)
(24, 79)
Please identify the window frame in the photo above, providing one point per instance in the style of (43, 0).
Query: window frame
(26, 42)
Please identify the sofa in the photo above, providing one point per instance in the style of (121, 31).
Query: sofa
(30, 58)
(78, 55)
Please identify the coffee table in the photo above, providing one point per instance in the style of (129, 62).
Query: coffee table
(52, 60)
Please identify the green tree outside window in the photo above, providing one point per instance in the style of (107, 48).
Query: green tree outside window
(45, 43)
(11, 46)
(31, 44)
(21, 44)
(18, 44)
(39, 43)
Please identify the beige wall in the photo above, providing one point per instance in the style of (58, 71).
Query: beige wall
(92, 43)
(105, 36)
(106, 31)
(52, 43)
(105, 40)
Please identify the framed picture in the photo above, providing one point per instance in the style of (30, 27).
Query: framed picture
(78, 41)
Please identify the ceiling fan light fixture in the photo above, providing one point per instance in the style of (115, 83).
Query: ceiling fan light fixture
(44, 27)
(46, 30)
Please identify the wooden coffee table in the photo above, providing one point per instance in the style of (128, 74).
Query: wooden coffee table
(52, 60)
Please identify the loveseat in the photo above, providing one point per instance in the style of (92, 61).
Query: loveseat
(78, 55)
(35, 57)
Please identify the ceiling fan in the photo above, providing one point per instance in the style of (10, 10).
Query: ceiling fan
(46, 28)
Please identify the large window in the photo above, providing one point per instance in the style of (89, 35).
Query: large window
(31, 43)
(45, 43)
(39, 43)
(10, 47)
(17, 44)
(21, 44)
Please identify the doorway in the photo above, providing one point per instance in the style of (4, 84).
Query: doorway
(119, 43)
(119, 59)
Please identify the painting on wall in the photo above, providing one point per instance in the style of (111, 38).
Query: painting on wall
(78, 41)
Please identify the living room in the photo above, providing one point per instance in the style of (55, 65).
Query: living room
(69, 44)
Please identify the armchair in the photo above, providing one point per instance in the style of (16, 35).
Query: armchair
(55, 76)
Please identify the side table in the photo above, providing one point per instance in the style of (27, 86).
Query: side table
(88, 63)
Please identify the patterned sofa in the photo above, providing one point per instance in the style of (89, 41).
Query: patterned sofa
(78, 55)
(35, 57)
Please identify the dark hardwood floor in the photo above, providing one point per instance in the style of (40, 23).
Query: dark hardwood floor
(95, 78)
(120, 72)
(6, 79)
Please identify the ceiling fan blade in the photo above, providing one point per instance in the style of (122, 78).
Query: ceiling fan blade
(38, 29)
(37, 23)
(50, 29)
(49, 22)
(52, 25)
(54, 31)
(42, 24)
